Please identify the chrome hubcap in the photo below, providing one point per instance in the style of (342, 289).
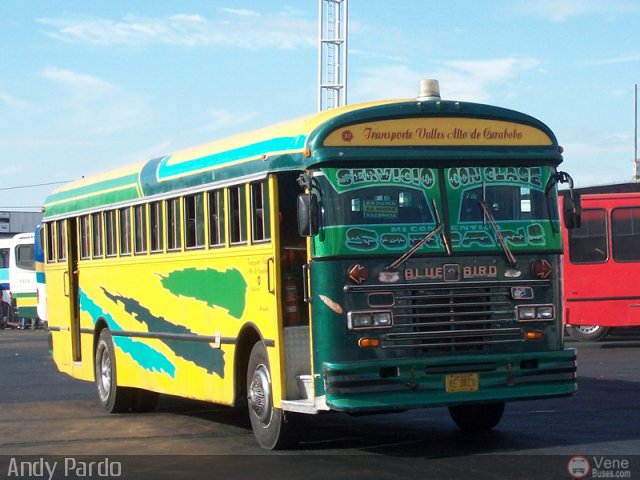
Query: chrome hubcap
(259, 395)
(588, 329)
(105, 374)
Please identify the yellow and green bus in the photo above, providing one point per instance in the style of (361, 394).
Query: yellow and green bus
(376, 257)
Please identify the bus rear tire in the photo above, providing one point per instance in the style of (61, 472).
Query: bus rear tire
(272, 429)
(478, 417)
(114, 399)
(587, 333)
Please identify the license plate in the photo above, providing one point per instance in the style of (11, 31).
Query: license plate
(462, 382)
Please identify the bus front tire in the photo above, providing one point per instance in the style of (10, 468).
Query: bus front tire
(272, 429)
(477, 417)
(587, 333)
(113, 398)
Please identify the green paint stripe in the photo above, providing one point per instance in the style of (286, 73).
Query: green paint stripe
(23, 295)
(96, 200)
(94, 188)
(27, 312)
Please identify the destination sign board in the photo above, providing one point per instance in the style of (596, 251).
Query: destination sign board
(437, 131)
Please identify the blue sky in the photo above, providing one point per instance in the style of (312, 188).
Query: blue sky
(89, 85)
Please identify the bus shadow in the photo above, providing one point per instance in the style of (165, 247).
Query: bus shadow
(622, 338)
(204, 411)
(554, 426)
(619, 337)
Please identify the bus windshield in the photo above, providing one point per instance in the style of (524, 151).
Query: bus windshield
(379, 206)
(389, 210)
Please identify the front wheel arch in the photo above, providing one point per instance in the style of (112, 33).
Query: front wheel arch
(247, 338)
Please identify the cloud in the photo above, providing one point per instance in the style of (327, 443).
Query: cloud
(234, 28)
(378, 56)
(78, 82)
(614, 61)
(468, 80)
(93, 104)
(245, 12)
(13, 102)
(587, 150)
(220, 119)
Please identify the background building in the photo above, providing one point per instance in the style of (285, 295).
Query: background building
(18, 222)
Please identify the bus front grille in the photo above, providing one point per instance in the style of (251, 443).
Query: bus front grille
(452, 318)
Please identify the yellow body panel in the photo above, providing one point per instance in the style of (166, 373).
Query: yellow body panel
(132, 296)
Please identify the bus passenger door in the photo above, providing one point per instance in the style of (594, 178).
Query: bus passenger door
(71, 290)
(294, 311)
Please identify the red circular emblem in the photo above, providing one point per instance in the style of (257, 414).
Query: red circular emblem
(347, 135)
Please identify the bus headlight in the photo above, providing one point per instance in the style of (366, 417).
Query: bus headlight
(545, 312)
(526, 313)
(382, 319)
(376, 319)
(529, 313)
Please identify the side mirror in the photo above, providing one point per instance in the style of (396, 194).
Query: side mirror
(572, 207)
(308, 215)
(572, 210)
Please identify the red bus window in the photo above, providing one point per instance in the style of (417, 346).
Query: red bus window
(625, 238)
(588, 244)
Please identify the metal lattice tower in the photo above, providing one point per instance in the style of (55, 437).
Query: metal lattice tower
(332, 54)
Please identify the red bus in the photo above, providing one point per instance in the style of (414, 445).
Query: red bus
(602, 262)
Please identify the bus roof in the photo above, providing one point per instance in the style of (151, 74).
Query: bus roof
(629, 187)
(408, 129)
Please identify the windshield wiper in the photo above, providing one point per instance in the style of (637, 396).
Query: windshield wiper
(503, 243)
(439, 228)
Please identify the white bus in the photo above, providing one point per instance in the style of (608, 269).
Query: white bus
(5, 297)
(22, 278)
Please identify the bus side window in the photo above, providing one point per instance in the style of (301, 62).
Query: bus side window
(49, 229)
(588, 244)
(84, 236)
(25, 259)
(216, 218)
(238, 215)
(174, 240)
(4, 257)
(194, 221)
(156, 227)
(96, 229)
(61, 236)
(125, 231)
(260, 217)
(110, 233)
(140, 228)
(625, 228)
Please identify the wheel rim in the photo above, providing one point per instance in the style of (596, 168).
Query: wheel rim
(259, 395)
(588, 329)
(105, 374)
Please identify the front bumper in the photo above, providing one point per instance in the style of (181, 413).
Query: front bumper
(421, 382)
